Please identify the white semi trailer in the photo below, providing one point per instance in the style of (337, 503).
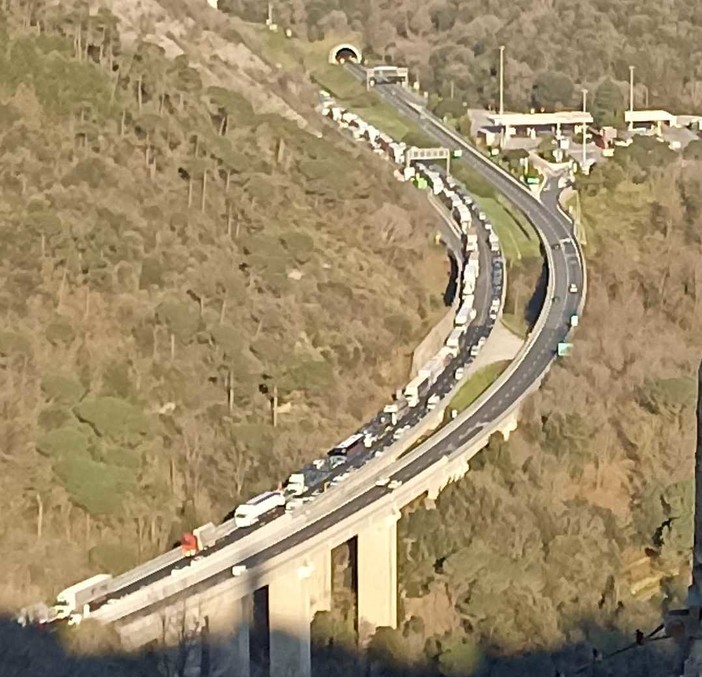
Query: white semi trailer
(72, 603)
(247, 514)
(414, 390)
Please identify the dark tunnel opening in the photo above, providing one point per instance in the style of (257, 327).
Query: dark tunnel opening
(346, 54)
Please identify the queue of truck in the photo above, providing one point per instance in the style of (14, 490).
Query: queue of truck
(434, 381)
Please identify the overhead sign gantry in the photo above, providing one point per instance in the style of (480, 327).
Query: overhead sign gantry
(415, 154)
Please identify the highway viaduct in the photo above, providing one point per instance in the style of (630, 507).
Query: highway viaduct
(291, 556)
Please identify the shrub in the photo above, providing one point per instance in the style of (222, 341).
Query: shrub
(151, 273)
(312, 376)
(116, 380)
(53, 417)
(228, 339)
(63, 442)
(96, 487)
(182, 319)
(115, 557)
(114, 418)
(91, 171)
(62, 389)
(60, 331)
(13, 344)
(667, 395)
(300, 246)
(399, 325)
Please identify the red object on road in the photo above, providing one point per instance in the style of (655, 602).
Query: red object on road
(188, 544)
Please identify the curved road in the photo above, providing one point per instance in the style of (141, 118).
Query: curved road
(567, 268)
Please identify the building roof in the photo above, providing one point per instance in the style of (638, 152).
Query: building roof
(567, 117)
(649, 116)
(490, 129)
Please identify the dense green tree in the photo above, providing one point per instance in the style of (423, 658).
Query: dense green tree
(608, 104)
(552, 91)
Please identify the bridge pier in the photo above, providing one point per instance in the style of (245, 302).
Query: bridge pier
(289, 615)
(229, 638)
(320, 582)
(376, 562)
(509, 425)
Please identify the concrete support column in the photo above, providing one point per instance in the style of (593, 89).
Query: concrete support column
(377, 576)
(320, 582)
(509, 426)
(229, 638)
(289, 615)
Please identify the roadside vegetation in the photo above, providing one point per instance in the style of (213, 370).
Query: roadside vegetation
(174, 252)
(578, 530)
(452, 47)
(519, 241)
(476, 385)
(171, 254)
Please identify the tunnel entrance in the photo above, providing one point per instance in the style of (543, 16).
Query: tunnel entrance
(344, 53)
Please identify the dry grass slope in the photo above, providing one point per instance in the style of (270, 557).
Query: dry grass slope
(175, 244)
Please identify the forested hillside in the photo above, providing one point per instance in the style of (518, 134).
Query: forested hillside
(553, 47)
(578, 530)
(177, 244)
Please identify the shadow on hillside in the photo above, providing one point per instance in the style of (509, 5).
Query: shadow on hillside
(33, 653)
(536, 302)
(452, 284)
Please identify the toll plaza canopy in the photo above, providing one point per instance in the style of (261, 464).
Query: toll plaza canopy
(541, 119)
(649, 117)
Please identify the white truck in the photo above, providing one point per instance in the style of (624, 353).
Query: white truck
(464, 316)
(414, 390)
(452, 342)
(468, 286)
(247, 514)
(433, 369)
(372, 133)
(474, 263)
(397, 152)
(494, 242)
(461, 214)
(437, 185)
(408, 173)
(73, 603)
(297, 483)
(396, 409)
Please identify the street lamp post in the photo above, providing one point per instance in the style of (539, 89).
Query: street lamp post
(631, 88)
(584, 129)
(502, 79)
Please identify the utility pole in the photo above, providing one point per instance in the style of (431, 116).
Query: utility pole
(452, 90)
(584, 129)
(502, 79)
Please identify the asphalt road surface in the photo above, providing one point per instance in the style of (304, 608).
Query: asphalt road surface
(567, 270)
